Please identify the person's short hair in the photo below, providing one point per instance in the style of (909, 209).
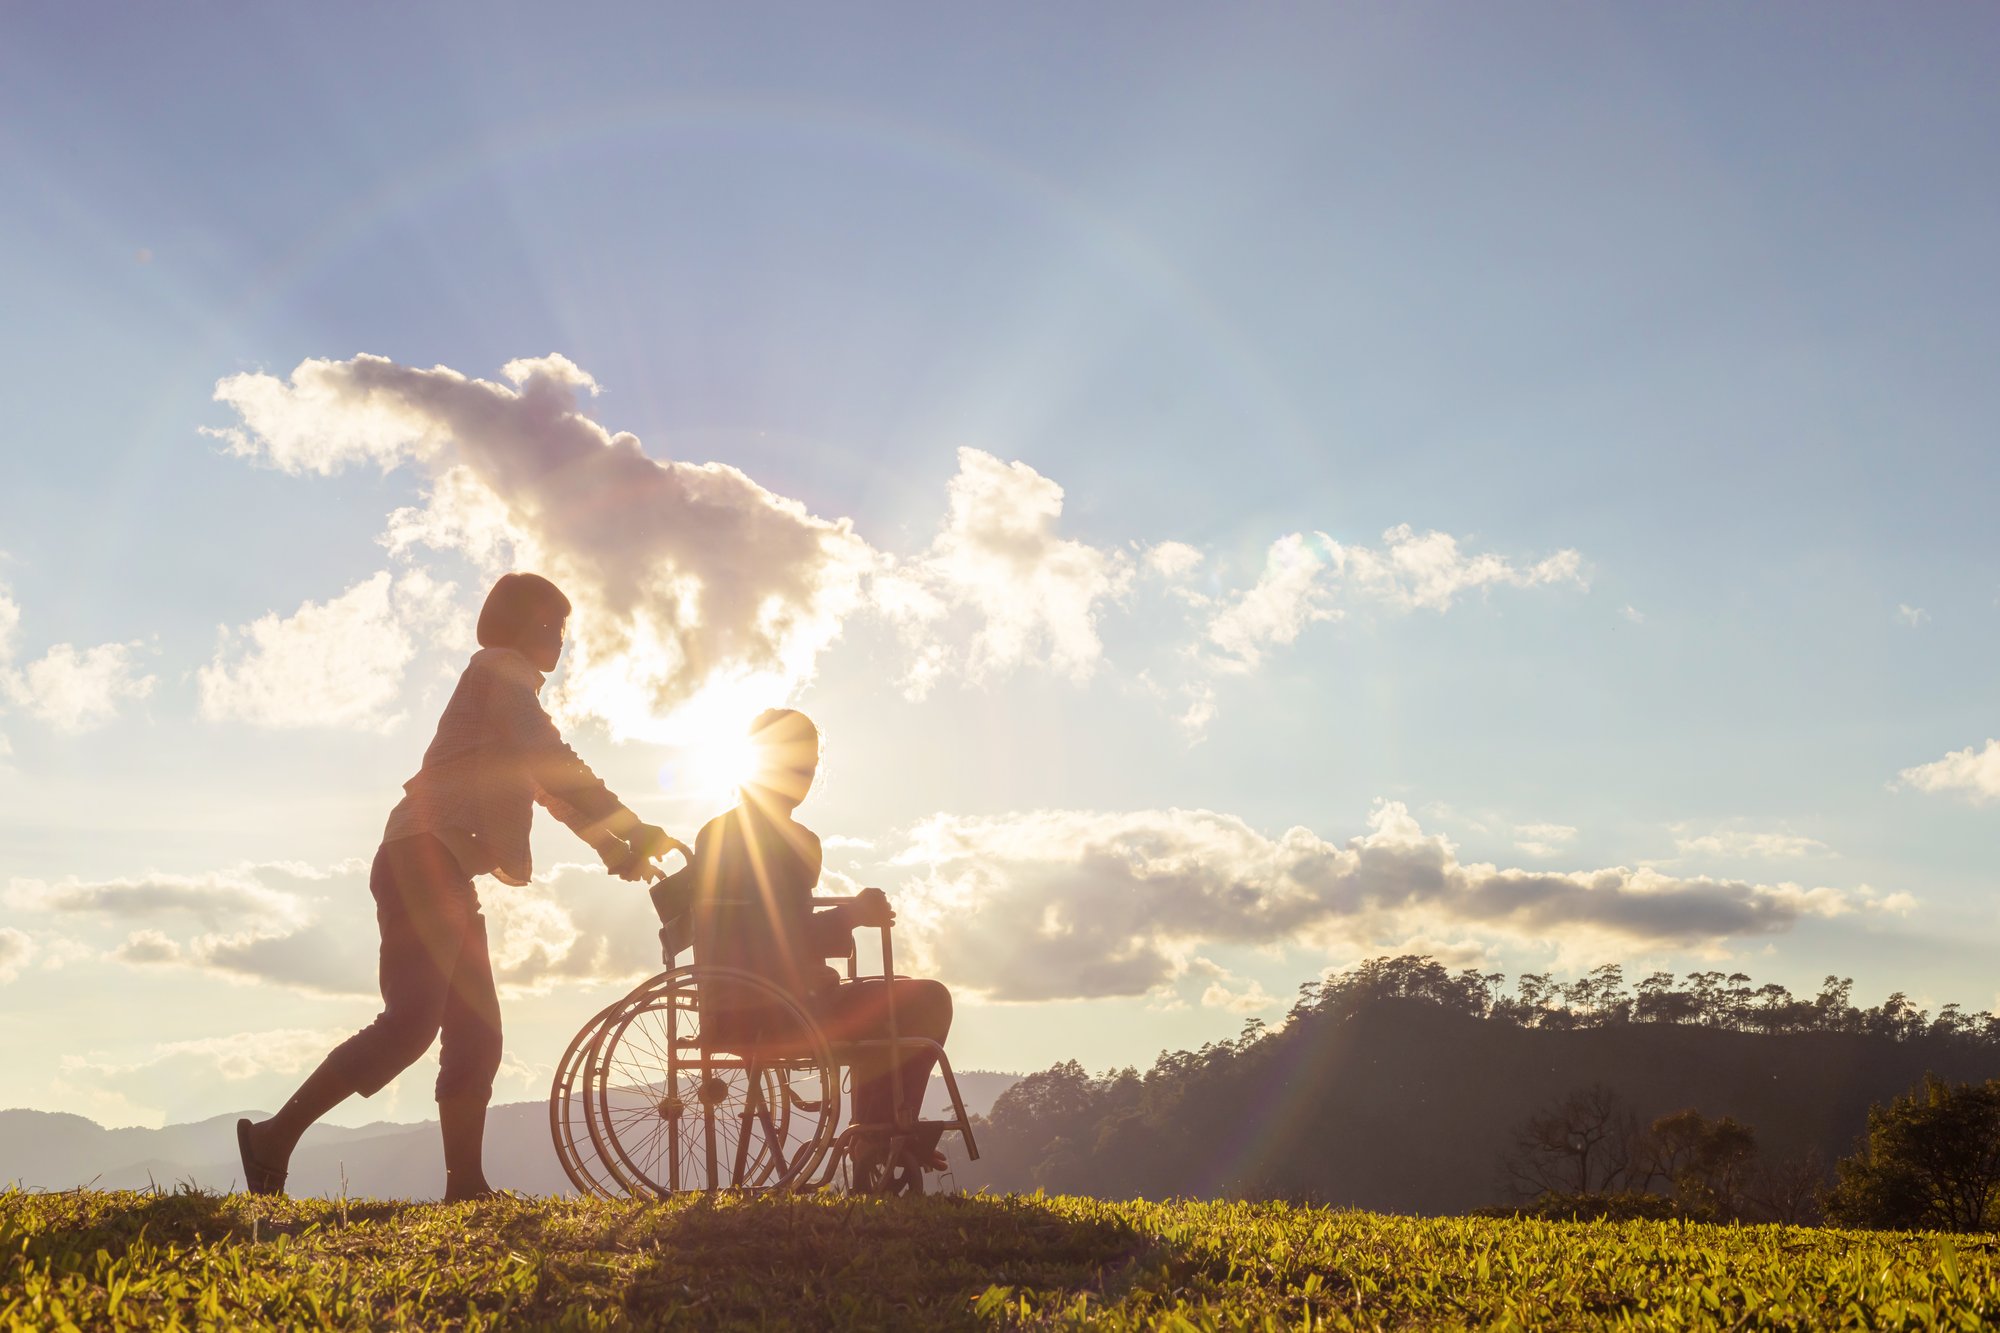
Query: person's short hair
(784, 726)
(517, 603)
(787, 747)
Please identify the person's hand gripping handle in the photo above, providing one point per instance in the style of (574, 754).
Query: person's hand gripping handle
(632, 859)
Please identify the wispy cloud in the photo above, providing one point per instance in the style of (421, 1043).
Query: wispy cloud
(221, 898)
(1309, 578)
(1758, 844)
(235, 1056)
(1912, 616)
(1543, 839)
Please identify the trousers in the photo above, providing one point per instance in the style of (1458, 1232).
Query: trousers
(859, 1010)
(436, 976)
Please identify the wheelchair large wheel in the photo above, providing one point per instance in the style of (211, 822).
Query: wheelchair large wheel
(577, 1148)
(669, 1111)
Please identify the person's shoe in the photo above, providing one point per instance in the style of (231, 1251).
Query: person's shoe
(923, 1147)
(258, 1178)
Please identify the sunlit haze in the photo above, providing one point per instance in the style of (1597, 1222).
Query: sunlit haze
(1241, 491)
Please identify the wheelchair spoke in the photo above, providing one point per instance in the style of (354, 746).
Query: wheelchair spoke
(766, 1120)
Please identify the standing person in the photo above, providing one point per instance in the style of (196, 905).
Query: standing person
(466, 813)
(759, 858)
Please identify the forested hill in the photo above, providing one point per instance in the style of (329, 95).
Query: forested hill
(1402, 1087)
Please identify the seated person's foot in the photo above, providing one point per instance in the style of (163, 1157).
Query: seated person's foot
(470, 1193)
(263, 1171)
(924, 1150)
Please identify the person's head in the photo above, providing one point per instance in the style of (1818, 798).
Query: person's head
(525, 612)
(786, 744)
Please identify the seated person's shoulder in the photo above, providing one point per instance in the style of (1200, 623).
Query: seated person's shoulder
(711, 832)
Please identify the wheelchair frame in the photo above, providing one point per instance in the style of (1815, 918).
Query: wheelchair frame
(744, 1096)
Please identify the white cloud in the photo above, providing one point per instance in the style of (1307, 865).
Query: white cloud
(1633, 614)
(1543, 839)
(1303, 575)
(147, 946)
(55, 952)
(1053, 904)
(1225, 990)
(223, 898)
(1034, 596)
(16, 949)
(694, 587)
(1428, 570)
(70, 688)
(1172, 560)
(1200, 710)
(1976, 772)
(334, 664)
(701, 596)
(251, 925)
(1288, 596)
(234, 1057)
(321, 957)
(10, 624)
(1764, 845)
(1309, 577)
(1912, 616)
(75, 689)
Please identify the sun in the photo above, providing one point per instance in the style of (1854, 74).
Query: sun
(708, 754)
(716, 765)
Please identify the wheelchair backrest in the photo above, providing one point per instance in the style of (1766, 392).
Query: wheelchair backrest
(673, 899)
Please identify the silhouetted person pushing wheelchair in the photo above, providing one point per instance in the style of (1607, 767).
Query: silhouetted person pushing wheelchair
(466, 813)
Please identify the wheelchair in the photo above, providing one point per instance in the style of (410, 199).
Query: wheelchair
(709, 1077)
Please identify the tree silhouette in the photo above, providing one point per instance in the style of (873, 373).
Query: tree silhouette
(1931, 1159)
(1705, 1163)
(1586, 1143)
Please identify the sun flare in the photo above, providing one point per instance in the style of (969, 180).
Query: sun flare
(714, 765)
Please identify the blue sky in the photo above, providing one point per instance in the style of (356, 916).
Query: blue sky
(1672, 323)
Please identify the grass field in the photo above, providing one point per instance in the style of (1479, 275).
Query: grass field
(153, 1260)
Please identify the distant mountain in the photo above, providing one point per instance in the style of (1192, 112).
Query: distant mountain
(979, 1088)
(53, 1150)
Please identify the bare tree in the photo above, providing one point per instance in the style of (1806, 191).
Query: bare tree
(1585, 1143)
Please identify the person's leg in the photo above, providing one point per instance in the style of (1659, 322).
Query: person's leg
(417, 943)
(467, 1061)
(859, 1011)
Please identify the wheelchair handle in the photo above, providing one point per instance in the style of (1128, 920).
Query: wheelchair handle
(673, 845)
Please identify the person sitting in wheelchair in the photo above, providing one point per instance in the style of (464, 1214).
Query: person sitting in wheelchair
(754, 870)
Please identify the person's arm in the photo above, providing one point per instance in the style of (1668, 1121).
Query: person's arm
(620, 857)
(830, 929)
(566, 787)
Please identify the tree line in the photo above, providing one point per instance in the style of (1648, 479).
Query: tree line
(1729, 1001)
(1401, 1084)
